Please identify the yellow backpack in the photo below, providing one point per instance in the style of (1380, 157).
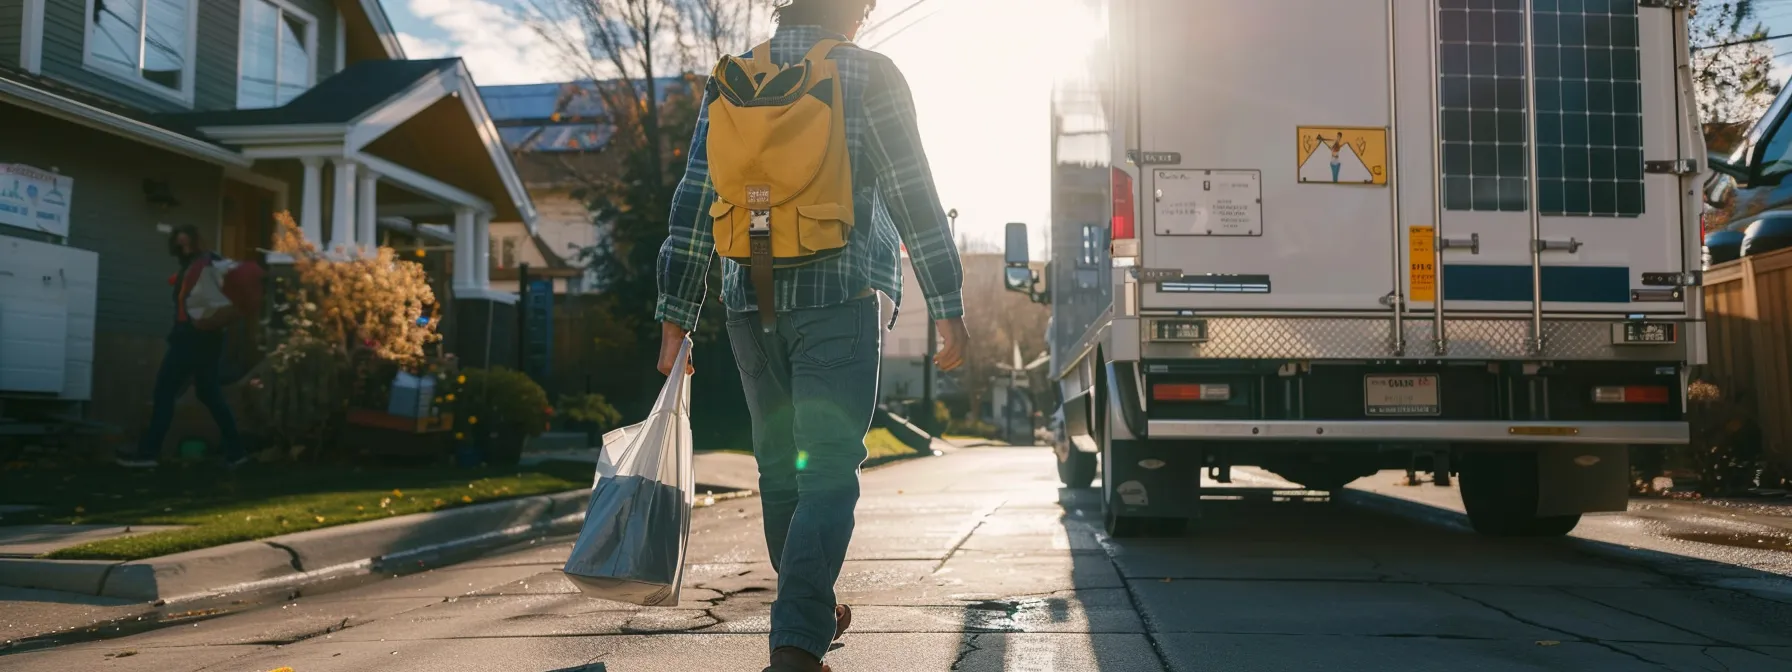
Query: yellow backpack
(778, 162)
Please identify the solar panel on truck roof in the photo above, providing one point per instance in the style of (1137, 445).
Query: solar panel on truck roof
(1589, 108)
(1481, 52)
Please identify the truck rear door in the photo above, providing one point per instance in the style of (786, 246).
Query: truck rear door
(1607, 101)
(1262, 131)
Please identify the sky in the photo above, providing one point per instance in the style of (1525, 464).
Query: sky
(982, 99)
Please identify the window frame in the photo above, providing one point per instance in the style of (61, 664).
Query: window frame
(242, 36)
(134, 77)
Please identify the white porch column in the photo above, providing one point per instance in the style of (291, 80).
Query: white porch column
(342, 220)
(367, 235)
(311, 201)
(482, 232)
(465, 249)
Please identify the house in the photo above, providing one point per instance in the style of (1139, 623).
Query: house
(558, 134)
(218, 114)
(555, 135)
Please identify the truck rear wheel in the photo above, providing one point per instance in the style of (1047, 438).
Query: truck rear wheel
(1499, 490)
(1076, 469)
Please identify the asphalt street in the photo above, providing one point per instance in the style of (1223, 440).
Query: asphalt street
(978, 561)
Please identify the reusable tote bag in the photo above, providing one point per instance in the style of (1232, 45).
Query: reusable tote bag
(639, 519)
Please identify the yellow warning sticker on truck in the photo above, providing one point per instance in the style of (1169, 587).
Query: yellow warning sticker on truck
(1342, 155)
(1421, 263)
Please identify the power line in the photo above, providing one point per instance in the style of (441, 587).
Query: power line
(1738, 43)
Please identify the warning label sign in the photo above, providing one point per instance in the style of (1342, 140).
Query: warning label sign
(1421, 271)
(1342, 155)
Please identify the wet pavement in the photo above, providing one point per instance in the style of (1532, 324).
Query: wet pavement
(977, 561)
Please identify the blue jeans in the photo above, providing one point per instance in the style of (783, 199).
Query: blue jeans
(193, 356)
(811, 386)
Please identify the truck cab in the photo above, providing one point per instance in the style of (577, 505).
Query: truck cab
(1328, 235)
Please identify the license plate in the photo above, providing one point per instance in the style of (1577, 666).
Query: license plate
(1645, 333)
(1183, 331)
(1401, 395)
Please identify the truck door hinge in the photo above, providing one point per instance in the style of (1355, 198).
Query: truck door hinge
(1664, 4)
(1675, 167)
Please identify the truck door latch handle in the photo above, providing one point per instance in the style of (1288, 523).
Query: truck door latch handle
(1472, 243)
(1571, 245)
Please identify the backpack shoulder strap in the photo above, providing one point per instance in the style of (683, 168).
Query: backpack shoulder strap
(762, 54)
(821, 50)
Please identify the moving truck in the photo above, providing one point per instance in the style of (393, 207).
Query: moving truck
(1321, 237)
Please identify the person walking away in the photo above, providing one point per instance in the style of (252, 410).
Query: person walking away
(813, 167)
(195, 348)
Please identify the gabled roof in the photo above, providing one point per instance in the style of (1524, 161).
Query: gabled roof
(421, 123)
(338, 100)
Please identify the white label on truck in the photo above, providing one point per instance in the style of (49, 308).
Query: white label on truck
(1132, 493)
(1209, 202)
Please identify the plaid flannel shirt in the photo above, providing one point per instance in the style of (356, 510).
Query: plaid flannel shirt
(894, 200)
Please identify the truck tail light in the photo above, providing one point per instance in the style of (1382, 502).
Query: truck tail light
(1630, 394)
(1125, 221)
(1191, 392)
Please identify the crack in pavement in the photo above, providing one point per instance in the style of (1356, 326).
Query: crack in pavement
(969, 647)
(1575, 635)
(981, 516)
(1706, 652)
(1653, 619)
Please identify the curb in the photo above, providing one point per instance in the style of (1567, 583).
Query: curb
(315, 555)
(307, 556)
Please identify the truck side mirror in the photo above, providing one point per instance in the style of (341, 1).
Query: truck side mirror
(1015, 251)
(1017, 276)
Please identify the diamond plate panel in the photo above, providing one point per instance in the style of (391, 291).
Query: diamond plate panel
(1314, 338)
(1255, 338)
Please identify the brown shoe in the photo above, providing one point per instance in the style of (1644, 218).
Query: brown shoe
(791, 659)
(842, 620)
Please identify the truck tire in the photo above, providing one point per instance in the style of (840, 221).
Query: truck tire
(1076, 469)
(1499, 490)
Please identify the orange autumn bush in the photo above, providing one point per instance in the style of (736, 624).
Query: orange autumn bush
(347, 301)
(338, 322)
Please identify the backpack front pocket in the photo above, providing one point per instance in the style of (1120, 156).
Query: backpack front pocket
(731, 225)
(823, 226)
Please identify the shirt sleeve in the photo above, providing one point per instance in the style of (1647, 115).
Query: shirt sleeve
(905, 183)
(690, 242)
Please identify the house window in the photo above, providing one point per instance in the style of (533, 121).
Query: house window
(147, 42)
(278, 57)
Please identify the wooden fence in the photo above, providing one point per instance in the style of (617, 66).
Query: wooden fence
(1748, 312)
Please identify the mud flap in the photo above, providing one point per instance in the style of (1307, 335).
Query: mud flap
(1575, 479)
(1154, 479)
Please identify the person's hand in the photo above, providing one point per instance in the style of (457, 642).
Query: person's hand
(671, 340)
(951, 354)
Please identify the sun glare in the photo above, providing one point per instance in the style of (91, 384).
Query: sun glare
(982, 73)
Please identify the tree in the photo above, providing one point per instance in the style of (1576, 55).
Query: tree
(1732, 65)
(1002, 318)
(647, 60)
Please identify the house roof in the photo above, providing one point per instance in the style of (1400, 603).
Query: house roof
(338, 100)
(558, 117)
(80, 106)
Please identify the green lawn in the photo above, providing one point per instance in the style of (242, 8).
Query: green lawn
(880, 443)
(257, 502)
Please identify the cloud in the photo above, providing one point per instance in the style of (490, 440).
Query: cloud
(498, 46)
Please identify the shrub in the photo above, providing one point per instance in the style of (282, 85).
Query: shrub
(501, 397)
(1725, 448)
(589, 409)
(336, 331)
